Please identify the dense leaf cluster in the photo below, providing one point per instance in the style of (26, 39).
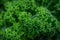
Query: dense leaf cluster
(29, 20)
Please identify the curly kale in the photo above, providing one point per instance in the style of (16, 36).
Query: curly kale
(29, 20)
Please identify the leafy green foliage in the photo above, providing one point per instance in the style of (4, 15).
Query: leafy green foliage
(28, 20)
